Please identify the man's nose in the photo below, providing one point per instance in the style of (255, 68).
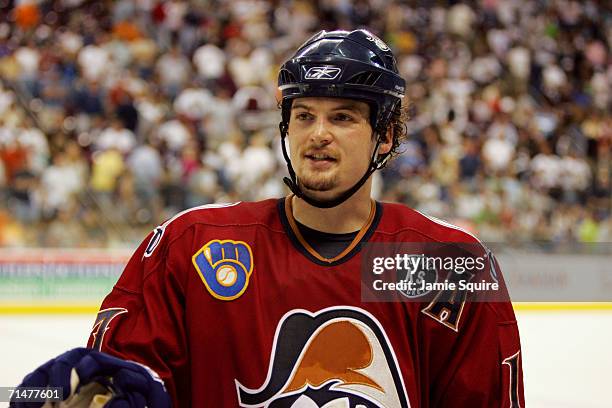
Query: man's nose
(321, 133)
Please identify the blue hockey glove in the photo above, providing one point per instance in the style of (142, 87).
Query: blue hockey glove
(129, 384)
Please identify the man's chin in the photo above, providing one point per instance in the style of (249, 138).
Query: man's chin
(318, 186)
(322, 193)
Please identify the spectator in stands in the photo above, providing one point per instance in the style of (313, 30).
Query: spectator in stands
(173, 70)
(175, 133)
(59, 184)
(94, 59)
(88, 98)
(145, 164)
(116, 136)
(107, 167)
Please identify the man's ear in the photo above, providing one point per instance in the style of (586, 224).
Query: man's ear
(387, 143)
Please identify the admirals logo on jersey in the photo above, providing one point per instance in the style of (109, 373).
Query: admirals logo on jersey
(224, 267)
(337, 357)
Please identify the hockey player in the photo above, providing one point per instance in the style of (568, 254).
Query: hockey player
(260, 304)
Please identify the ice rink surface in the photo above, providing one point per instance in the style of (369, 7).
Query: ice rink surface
(567, 356)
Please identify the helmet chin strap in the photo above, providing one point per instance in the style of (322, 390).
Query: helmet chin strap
(293, 184)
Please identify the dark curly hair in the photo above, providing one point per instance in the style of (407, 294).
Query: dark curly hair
(400, 116)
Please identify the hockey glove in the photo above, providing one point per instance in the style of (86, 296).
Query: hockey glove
(86, 374)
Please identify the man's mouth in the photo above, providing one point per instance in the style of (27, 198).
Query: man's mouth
(320, 157)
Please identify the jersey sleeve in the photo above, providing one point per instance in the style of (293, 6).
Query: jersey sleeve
(484, 368)
(479, 363)
(142, 318)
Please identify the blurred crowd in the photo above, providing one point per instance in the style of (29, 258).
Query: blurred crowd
(114, 115)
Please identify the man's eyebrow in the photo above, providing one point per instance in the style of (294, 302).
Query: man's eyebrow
(300, 106)
(353, 107)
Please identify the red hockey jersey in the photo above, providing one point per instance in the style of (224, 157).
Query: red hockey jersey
(232, 308)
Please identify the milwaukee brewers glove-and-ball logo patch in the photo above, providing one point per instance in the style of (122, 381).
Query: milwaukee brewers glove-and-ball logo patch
(224, 267)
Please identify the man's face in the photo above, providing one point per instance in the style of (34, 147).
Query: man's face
(330, 142)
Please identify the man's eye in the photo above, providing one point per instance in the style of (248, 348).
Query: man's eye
(302, 116)
(343, 117)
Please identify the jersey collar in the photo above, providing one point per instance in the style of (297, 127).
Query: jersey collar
(289, 224)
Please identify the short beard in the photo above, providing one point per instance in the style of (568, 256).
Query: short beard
(324, 184)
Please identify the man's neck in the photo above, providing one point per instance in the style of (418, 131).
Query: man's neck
(349, 216)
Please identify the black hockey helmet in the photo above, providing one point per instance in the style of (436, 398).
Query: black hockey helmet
(342, 64)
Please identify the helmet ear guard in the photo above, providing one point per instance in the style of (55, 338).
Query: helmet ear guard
(340, 64)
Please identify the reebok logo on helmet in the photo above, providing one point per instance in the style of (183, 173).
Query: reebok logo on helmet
(325, 72)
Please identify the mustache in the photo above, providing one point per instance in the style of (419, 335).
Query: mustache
(314, 151)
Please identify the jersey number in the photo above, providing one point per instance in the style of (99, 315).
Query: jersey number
(513, 363)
